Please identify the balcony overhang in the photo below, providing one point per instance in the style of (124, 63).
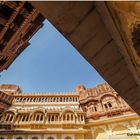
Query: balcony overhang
(94, 30)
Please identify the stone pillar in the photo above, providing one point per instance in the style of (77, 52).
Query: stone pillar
(25, 117)
(9, 117)
(17, 119)
(35, 116)
(79, 118)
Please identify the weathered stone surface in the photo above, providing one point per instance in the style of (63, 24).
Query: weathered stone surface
(82, 34)
(66, 21)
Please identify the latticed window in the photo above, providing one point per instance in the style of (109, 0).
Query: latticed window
(19, 137)
(50, 138)
(68, 138)
(34, 137)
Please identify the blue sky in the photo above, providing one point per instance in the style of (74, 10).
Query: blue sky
(50, 64)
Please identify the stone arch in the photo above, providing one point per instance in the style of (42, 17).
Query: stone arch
(8, 116)
(67, 110)
(13, 110)
(38, 115)
(107, 95)
(41, 109)
(10, 111)
(109, 101)
(68, 114)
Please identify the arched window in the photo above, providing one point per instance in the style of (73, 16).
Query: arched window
(24, 99)
(19, 137)
(73, 99)
(68, 138)
(50, 138)
(67, 99)
(17, 100)
(50, 99)
(39, 99)
(35, 137)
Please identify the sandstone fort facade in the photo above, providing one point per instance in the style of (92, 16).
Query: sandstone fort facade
(86, 113)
